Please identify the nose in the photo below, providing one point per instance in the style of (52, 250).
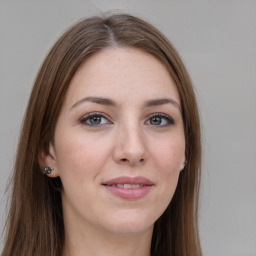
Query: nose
(130, 146)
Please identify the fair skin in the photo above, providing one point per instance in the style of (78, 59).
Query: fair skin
(121, 118)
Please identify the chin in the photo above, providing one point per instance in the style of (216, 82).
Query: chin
(130, 223)
(129, 229)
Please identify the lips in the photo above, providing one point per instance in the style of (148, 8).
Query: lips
(129, 187)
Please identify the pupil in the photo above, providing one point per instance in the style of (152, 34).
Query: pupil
(155, 120)
(95, 120)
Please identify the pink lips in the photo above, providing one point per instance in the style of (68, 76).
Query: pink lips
(129, 187)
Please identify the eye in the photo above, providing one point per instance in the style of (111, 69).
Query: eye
(160, 120)
(94, 119)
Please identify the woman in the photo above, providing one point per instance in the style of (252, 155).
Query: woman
(109, 155)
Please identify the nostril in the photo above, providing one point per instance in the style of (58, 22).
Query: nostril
(132, 161)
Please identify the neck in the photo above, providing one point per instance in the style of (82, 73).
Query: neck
(89, 241)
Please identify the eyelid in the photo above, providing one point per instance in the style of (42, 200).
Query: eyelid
(162, 115)
(91, 114)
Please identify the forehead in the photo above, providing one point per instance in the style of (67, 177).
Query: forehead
(115, 72)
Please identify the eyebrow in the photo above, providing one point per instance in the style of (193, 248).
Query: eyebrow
(109, 102)
(98, 100)
(158, 102)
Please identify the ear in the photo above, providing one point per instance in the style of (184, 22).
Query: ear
(47, 157)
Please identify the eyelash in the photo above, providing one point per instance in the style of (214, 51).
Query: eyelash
(87, 117)
(167, 118)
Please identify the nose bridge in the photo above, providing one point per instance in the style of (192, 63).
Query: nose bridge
(133, 136)
(131, 144)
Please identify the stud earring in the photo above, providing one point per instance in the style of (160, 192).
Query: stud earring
(183, 166)
(47, 170)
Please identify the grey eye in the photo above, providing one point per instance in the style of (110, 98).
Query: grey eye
(160, 120)
(156, 120)
(94, 120)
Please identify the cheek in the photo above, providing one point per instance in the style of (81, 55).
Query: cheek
(79, 162)
(80, 155)
(170, 154)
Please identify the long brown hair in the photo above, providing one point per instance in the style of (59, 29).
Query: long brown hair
(35, 223)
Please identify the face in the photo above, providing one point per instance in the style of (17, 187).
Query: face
(119, 142)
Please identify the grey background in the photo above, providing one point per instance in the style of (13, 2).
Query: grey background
(217, 42)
